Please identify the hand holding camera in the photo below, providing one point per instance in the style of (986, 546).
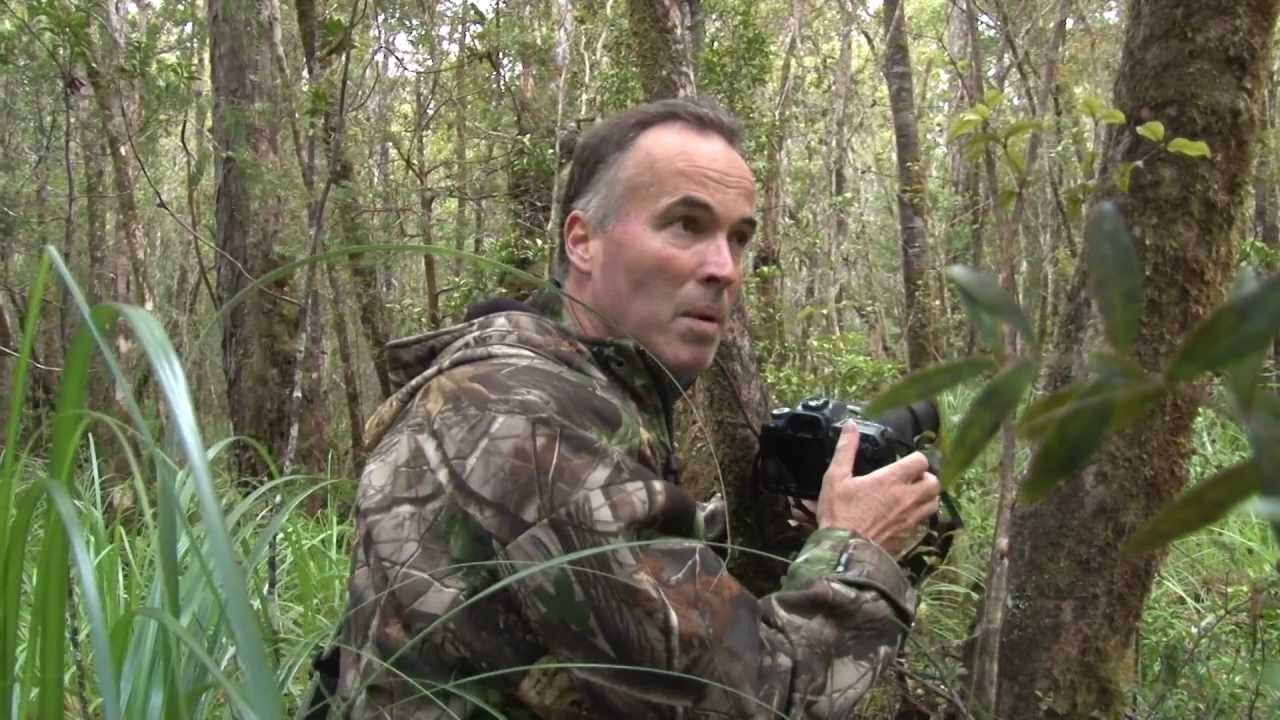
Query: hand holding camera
(887, 505)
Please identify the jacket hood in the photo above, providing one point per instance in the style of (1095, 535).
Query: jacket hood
(413, 361)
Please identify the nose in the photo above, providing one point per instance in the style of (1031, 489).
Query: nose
(721, 264)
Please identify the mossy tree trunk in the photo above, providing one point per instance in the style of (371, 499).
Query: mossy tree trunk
(259, 334)
(1197, 66)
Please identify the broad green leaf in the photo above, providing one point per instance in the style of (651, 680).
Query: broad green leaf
(1016, 160)
(1069, 444)
(1129, 398)
(1190, 148)
(981, 111)
(1114, 369)
(1115, 275)
(993, 98)
(928, 383)
(1122, 176)
(1091, 105)
(995, 402)
(982, 296)
(1089, 163)
(1112, 116)
(1030, 420)
(963, 124)
(1021, 127)
(1153, 131)
(1243, 325)
(1198, 507)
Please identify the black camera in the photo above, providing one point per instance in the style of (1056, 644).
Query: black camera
(796, 444)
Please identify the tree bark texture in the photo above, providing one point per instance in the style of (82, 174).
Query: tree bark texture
(1199, 68)
(259, 334)
(912, 225)
(733, 387)
(663, 46)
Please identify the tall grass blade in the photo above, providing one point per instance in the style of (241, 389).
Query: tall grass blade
(262, 693)
(50, 599)
(91, 599)
(14, 532)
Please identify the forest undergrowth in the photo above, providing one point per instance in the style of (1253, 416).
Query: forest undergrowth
(168, 598)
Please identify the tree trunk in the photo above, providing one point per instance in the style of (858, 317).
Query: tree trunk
(912, 225)
(102, 70)
(1076, 603)
(733, 387)
(768, 258)
(259, 334)
(662, 44)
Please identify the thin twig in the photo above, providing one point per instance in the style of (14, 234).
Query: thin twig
(12, 353)
(164, 205)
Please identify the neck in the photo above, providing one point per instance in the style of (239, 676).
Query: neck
(580, 309)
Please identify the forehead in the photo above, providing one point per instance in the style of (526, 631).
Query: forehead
(674, 158)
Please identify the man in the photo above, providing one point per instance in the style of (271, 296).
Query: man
(522, 544)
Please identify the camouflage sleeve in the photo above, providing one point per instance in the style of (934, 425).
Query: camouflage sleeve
(601, 562)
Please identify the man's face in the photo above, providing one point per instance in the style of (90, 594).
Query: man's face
(667, 268)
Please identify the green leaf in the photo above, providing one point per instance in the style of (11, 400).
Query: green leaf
(1153, 131)
(1021, 127)
(1243, 325)
(1091, 105)
(1190, 148)
(982, 296)
(1129, 398)
(995, 402)
(928, 383)
(1115, 275)
(963, 124)
(1112, 116)
(1122, 175)
(993, 98)
(1197, 508)
(1031, 422)
(1016, 160)
(1116, 369)
(981, 111)
(1089, 163)
(1070, 442)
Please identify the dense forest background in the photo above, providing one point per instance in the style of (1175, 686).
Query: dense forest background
(263, 195)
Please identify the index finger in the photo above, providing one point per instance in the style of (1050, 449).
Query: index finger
(846, 451)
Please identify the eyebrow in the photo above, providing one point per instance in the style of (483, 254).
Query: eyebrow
(694, 202)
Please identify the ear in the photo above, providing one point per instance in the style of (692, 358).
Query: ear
(578, 247)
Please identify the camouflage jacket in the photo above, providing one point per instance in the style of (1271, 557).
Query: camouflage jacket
(523, 551)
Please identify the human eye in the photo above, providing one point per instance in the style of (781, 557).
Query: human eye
(689, 223)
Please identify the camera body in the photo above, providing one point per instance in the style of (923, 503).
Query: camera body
(796, 444)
